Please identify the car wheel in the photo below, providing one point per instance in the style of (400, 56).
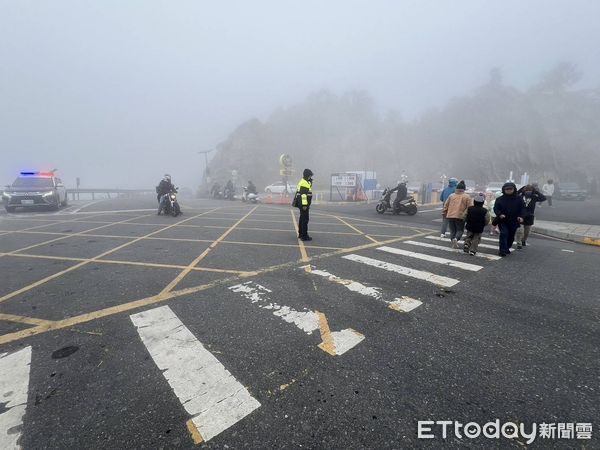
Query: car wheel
(66, 202)
(10, 209)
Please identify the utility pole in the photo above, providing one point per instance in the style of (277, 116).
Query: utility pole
(205, 153)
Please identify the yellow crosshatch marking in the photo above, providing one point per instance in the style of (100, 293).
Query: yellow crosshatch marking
(169, 292)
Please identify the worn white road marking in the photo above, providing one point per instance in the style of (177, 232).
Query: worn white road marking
(452, 250)
(405, 304)
(438, 238)
(430, 210)
(351, 285)
(568, 251)
(418, 274)
(435, 259)
(14, 383)
(205, 388)
(334, 343)
(307, 321)
(398, 304)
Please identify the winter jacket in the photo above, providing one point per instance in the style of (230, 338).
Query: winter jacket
(548, 189)
(456, 205)
(164, 187)
(510, 206)
(529, 203)
(448, 191)
(476, 217)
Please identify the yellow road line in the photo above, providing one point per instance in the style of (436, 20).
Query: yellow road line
(355, 229)
(87, 317)
(195, 262)
(81, 264)
(327, 343)
(196, 436)
(80, 233)
(23, 319)
(301, 245)
(128, 263)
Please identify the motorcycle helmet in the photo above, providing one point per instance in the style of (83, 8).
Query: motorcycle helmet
(167, 177)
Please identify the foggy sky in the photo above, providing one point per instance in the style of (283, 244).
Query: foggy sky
(118, 92)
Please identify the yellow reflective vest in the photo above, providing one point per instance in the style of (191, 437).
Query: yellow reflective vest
(304, 192)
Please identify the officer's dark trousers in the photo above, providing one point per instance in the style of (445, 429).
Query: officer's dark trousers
(507, 236)
(303, 223)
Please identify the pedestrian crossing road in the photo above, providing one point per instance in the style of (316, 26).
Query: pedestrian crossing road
(221, 328)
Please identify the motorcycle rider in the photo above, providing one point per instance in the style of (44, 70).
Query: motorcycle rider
(228, 192)
(164, 187)
(251, 188)
(401, 193)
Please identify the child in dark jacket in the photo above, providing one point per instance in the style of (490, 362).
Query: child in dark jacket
(476, 218)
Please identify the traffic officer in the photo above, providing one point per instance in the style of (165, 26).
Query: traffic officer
(302, 200)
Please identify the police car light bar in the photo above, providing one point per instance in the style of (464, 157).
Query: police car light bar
(39, 174)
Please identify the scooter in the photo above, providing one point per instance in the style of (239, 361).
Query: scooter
(169, 204)
(249, 196)
(408, 205)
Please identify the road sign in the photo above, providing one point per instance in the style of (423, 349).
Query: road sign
(285, 160)
(344, 180)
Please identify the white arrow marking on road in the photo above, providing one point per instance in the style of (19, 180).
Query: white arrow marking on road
(334, 343)
(402, 304)
(205, 388)
(407, 271)
(452, 250)
(435, 259)
(14, 383)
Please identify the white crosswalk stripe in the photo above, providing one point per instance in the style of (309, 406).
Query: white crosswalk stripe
(205, 388)
(413, 273)
(452, 250)
(14, 384)
(402, 304)
(438, 238)
(434, 259)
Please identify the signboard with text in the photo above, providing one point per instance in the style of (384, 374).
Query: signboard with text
(344, 180)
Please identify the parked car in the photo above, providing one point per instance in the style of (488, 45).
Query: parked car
(32, 189)
(279, 188)
(570, 191)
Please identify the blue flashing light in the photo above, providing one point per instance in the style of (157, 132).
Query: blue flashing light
(29, 173)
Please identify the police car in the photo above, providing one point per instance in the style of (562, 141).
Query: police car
(34, 189)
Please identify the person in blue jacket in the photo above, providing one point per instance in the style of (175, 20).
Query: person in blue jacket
(447, 192)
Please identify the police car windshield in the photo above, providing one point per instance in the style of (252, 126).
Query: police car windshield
(33, 182)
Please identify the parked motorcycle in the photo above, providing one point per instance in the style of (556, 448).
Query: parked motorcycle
(408, 205)
(169, 204)
(249, 197)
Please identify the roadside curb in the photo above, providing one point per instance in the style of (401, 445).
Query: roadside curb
(583, 234)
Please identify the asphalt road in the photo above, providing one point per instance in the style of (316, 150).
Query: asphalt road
(123, 329)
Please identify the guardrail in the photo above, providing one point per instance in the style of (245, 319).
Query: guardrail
(75, 193)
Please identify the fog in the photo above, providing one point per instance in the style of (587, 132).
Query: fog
(118, 93)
